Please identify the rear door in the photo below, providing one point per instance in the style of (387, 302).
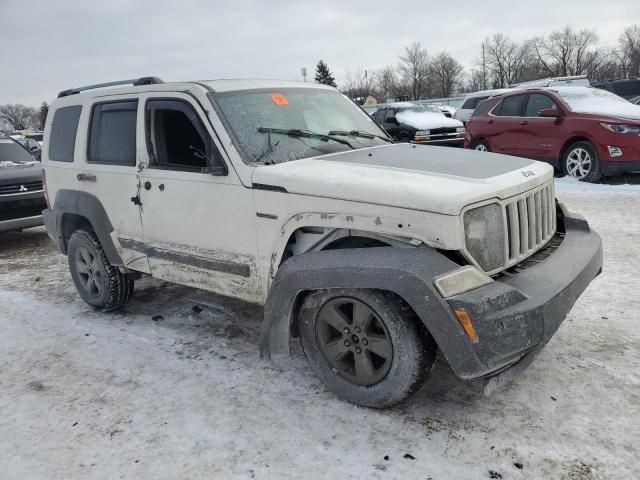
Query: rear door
(505, 123)
(540, 136)
(109, 170)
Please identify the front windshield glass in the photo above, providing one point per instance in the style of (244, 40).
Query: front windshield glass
(420, 109)
(597, 101)
(12, 154)
(259, 120)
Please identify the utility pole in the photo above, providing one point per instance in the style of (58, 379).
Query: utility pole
(484, 70)
(303, 71)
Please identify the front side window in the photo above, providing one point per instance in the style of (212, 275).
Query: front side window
(62, 140)
(176, 137)
(538, 102)
(273, 126)
(112, 134)
(510, 106)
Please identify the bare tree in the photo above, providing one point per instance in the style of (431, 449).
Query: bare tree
(414, 69)
(358, 85)
(475, 81)
(629, 51)
(19, 117)
(567, 52)
(446, 73)
(506, 60)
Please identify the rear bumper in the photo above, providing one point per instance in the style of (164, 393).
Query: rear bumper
(517, 315)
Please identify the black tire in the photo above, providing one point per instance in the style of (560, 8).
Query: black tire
(481, 146)
(574, 162)
(99, 283)
(407, 351)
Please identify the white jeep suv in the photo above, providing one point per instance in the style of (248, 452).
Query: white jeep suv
(374, 255)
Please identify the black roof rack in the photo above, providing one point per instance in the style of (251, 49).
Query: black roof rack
(134, 81)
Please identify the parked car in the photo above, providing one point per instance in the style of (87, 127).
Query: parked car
(374, 255)
(37, 136)
(425, 124)
(21, 195)
(34, 147)
(582, 131)
(570, 81)
(472, 100)
(626, 88)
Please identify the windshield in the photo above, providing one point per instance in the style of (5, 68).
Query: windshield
(597, 101)
(258, 121)
(12, 154)
(420, 109)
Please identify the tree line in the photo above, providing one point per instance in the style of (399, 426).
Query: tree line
(15, 117)
(503, 61)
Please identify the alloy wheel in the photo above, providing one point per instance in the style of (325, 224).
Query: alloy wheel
(481, 147)
(579, 163)
(90, 271)
(354, 341)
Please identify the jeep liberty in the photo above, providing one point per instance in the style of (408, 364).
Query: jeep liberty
(374, 255)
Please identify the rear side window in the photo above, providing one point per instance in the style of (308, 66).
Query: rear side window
(483, 107)
(511, 106)
(112, 134)
(469, 104)
(62, 140)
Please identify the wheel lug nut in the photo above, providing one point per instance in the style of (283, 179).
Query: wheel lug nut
(365, 341)
(346, 330)
(357, 329)
(347, 343)
(358, 350)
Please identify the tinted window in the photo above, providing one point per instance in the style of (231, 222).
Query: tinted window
(62, 140)
(629, 88)
(511, 106)
(469, 104)
(538, 102)
(390, 113)
(112, 137)
(177, 139)
(483, 107)
(12, 154)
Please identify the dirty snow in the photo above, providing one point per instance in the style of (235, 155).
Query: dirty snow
(86, 395)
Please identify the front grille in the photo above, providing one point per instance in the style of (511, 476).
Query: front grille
(444, 130)
(531, 222)
(25, 187)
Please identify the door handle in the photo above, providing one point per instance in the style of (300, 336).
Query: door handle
(490, 122)
(524, 122)
(86, 177)
(147, 185)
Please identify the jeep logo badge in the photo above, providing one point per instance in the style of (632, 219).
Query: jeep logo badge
(23, 188)
(527, 173)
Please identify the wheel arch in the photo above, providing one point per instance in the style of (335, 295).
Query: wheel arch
(75, 209)
(405, 272)
(568, 143)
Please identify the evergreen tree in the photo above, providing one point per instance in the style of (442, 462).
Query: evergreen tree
(42, 115)
(323, 75)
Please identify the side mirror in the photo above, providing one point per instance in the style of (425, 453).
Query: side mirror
(550, 113)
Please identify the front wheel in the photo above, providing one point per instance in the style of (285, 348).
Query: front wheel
(481, 146)
(581, 162)
(367, 346)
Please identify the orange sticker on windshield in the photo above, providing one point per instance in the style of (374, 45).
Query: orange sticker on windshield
(279, 99)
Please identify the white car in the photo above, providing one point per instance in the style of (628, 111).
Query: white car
(472, 100)
(374, 255)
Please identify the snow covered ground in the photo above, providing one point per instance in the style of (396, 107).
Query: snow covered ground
(132, 395)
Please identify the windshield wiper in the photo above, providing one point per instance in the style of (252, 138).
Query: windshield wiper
(359, 133)
(296, 133)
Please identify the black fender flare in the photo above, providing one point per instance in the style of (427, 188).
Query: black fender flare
(88, 206)
(407, 272)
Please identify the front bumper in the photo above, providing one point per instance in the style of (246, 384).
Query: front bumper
(516, 315)
(612, 168)
(21, 210)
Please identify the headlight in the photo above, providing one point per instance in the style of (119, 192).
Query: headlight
(630, 129)
(484, 236)
(460, 130)
(422, 133)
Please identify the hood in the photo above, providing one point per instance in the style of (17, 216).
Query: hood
(11, 173)
(426, 120)
(417, 177)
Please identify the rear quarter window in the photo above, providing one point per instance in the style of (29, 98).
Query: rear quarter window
(469, 104)
(62, 139)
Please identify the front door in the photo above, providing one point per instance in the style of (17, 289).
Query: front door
(198, 219)
(540, 137)
(506, 124)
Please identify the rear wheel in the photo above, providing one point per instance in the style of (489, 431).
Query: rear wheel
(581, 162)
(367, 346)
(481, 146)
(99, 283)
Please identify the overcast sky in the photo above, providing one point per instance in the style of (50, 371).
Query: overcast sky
(49, 46)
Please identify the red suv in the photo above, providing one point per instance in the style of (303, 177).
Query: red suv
(582, 131)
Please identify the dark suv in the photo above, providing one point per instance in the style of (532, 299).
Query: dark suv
(582, 131)
(21, 193)
(626, 88)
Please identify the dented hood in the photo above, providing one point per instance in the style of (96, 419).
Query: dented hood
(419, 177)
